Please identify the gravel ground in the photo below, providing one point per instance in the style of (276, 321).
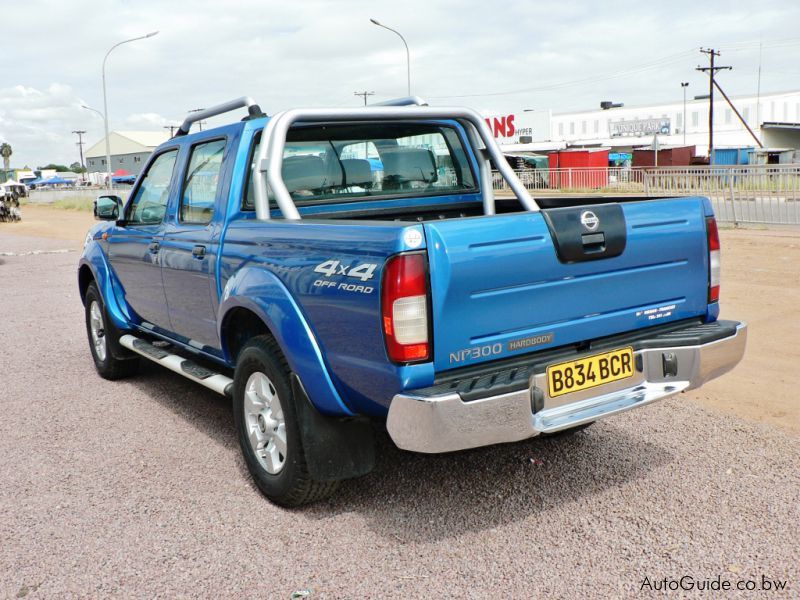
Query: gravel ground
(137, 489)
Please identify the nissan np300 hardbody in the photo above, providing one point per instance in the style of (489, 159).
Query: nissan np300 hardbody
(330, 268)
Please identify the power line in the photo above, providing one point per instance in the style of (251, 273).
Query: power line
(172, 129)
(364, 94)
(654, 64)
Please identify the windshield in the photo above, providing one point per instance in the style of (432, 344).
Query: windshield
(331, 163)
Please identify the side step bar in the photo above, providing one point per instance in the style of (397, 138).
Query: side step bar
(182, 366)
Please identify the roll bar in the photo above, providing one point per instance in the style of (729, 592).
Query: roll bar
(254, 111)
(273, 141)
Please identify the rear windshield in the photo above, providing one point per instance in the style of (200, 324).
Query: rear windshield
(343, 163)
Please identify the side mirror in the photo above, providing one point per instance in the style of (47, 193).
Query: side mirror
(107, 208)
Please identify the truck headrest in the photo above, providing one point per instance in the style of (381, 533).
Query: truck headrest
(357, 172)
(403, 165)
(304, 173)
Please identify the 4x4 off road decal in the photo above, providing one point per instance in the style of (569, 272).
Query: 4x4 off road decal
(335, 268)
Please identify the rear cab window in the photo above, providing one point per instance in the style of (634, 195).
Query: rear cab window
(347, 163)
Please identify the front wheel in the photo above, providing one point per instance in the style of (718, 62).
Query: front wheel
(104, 340)
(267, 424)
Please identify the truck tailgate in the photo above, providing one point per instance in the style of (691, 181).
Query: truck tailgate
(501, 287)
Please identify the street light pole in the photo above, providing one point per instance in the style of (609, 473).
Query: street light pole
(408, 55)
(684, 85)
(105, 101)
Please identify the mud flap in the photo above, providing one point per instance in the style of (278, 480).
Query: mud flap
(335, 447)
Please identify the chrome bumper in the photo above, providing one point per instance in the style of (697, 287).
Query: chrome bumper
(445, 422)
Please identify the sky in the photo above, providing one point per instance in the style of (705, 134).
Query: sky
(499, 57)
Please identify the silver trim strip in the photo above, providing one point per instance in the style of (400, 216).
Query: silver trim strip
(446, 423)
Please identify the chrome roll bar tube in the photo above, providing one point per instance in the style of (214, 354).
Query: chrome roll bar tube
(267, 178)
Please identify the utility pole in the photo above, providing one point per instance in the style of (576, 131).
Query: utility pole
(364, 94)
(684, 85)
(80, 133)
(199, 123)
(172, 129)
(711, 70)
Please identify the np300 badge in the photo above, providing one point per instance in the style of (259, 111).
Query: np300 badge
(589, 220)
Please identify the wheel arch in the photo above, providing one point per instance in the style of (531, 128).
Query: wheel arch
(256, 302)
(85, 277)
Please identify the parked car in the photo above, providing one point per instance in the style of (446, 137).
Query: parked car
(267, 260)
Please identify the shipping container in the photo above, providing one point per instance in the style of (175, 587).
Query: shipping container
(680, 156)
(579, 168)
(732, 156)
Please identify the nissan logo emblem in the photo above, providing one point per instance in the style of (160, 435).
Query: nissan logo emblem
(589, 220)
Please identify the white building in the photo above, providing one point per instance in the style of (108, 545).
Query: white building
(129, 151)
(774, 118)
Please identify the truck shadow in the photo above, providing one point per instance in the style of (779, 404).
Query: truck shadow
(421, 498)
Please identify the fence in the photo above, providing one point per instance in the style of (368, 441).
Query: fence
(611, 179)
(768, 194)
(755, 194)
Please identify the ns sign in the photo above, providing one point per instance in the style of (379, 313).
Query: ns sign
(502, 126)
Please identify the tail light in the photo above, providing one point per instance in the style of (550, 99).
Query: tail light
(713, 259)
(404, 304)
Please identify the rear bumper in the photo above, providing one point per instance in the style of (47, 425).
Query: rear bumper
(443, 422)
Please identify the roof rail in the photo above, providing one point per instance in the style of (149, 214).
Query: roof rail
(404, 101)
(254, 111)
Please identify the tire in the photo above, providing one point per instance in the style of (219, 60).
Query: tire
(111, 360)
(266, 421)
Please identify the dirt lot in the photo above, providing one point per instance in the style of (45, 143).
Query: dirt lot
(137, 488)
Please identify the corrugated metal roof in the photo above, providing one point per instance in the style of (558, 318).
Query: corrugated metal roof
(128, 142)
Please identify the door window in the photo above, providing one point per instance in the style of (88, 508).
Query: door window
(202, 180)
(149, 204)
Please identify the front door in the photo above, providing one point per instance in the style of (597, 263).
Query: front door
(189, 247)
(134, 244)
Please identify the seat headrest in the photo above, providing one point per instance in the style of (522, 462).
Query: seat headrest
(304, 173)
(357, 172)
(402, 165)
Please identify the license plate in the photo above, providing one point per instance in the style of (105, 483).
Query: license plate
(589, 372)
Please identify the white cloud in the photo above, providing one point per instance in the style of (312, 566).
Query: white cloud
(313, 52)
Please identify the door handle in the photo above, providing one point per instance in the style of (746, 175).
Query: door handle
(199, 251)
(153, 247)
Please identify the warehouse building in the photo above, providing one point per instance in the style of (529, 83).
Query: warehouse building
(129, 151)
(774, 118)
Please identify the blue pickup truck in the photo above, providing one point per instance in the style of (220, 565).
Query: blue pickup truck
(337, 270)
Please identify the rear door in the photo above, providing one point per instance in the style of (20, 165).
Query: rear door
(133, 246)
(189, 247)
(511, 284)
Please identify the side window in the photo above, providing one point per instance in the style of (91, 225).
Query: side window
(149, 204)
(201, 183)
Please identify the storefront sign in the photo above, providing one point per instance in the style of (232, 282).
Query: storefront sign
(640, 127)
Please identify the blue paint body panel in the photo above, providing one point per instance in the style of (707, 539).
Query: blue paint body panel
(494, 280)
(498, 280)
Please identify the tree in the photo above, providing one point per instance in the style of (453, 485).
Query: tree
(6, 152)
(55, 167)
(77, 168)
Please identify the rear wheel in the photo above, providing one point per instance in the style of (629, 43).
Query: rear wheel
(104, 340)
(266, 421)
